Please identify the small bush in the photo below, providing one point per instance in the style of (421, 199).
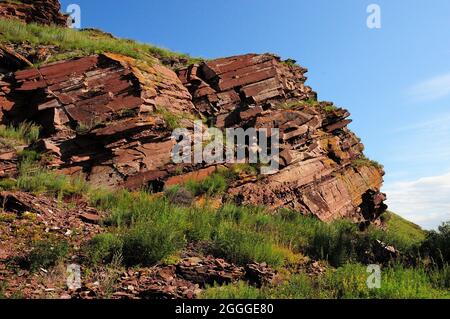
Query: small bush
(36, 179)
(243, 246)
(45, 254)
(103, 248)
(25, 133)
(148, 243)
(437, 245)
(364, 161)
(215, 184)
(178, 195)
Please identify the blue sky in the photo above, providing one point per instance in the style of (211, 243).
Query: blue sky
(395, 80)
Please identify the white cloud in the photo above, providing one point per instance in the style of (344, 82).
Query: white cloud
(432, 89)
(425, 201)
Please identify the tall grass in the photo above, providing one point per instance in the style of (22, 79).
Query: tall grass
(346, 282)
(244, 246)
(151, 228)
(36, 179)
(79, 43)
(404, 230)
(24, 133)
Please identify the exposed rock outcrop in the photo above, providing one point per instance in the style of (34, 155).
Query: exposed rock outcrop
(110, 118)
(318, 151)
(37, 11)
(103, 116)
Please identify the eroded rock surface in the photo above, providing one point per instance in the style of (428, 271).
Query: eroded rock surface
(105, 117)
(110, 118)
(318, 151)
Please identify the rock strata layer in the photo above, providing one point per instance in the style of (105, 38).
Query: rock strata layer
(110, 118)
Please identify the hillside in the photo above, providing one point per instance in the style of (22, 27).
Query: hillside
(88, 177)
(404, 229)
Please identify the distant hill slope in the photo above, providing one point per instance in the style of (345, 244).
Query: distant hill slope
(404, 229)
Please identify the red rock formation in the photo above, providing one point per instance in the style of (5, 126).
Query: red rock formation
(103, 116)
(221, 87)
(318, 151)
(109, 117)
(37, 11)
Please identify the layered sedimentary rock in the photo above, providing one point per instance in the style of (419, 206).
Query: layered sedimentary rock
(37, 11)
(320, 171)
(102, 116)
(222, 87)
(110, 118)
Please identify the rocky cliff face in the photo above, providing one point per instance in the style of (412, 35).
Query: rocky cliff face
(110, 118)
(321, 170)
(38, 11)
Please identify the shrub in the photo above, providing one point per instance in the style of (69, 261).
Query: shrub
(24, 133)
(147, 243)
(244, 246)
(215, 184)
(103, 248)
(364, 161)
(437, 245)
(178, 195)
(45, 254)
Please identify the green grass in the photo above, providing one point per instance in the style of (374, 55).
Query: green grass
(404, 230)
(80, 43)
(346, 282)
(172, 120)
(148, 243)
(216, 184)
(103, 248)
(243, 246)
(290, 62)
(144, 230)
(36, 179)
(239, 290)
(239, 234)
(364, 161)
(25, 133)
(329, 108)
